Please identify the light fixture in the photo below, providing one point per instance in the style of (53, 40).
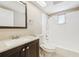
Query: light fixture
(42, 3)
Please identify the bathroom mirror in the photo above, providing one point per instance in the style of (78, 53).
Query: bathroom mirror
(13, 14)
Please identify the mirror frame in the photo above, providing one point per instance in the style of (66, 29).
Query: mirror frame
(9, 27)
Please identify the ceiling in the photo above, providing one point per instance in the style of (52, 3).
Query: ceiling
(52, 6)
(56, 6)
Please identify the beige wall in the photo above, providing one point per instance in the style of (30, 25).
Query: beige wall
(66, 35)
(33, 21)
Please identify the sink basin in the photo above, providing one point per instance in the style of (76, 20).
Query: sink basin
(14, 42)
(20, 41)
(11, 42)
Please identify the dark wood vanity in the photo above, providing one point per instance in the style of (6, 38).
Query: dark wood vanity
(30, 49)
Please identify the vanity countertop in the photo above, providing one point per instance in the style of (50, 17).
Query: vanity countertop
(9, 43)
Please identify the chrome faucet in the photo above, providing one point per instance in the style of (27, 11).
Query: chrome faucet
(14, 37)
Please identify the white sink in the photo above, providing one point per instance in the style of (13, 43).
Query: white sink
(19, 41)
(11, 42)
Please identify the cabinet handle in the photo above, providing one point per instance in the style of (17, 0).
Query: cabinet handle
(27, 47)
(23, 49)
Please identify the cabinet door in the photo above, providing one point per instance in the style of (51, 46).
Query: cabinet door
(22, 52)
(32, 49)
(27, 51)
(11, 53)
(16, 54)
(37, 48)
